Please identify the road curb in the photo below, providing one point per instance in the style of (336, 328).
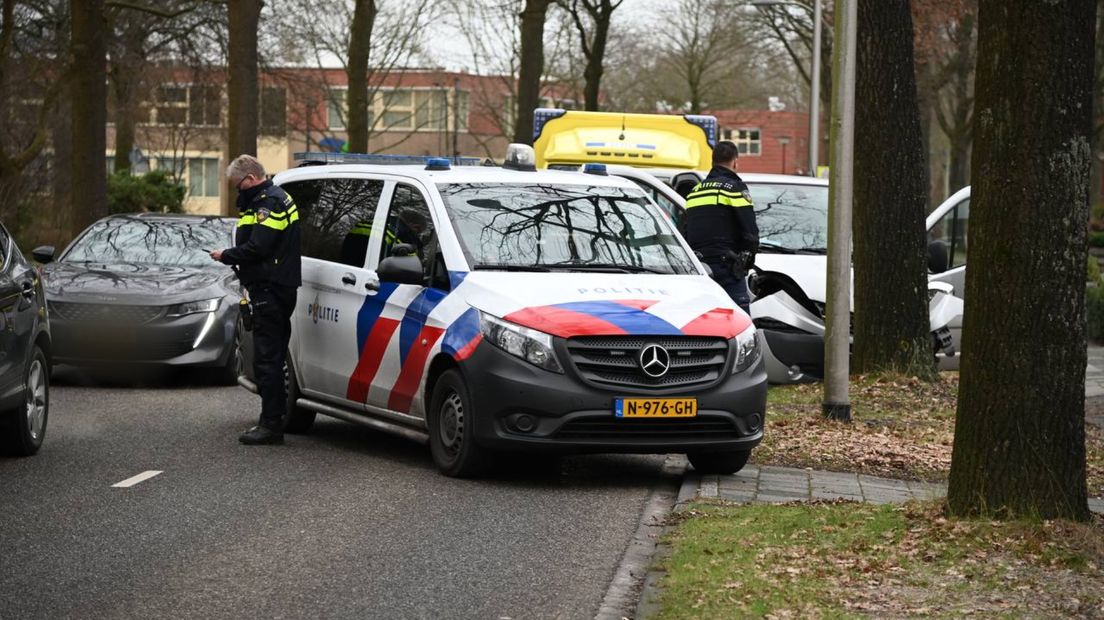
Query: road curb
(633, 572)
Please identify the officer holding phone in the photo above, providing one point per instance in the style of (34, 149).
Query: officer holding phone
(266, 257)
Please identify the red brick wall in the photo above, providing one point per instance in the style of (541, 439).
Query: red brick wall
(772, 126)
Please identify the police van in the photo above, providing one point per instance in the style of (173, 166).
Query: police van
(485, 310)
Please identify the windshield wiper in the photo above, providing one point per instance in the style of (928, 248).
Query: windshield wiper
(815, 250)
(508, 267)
(611, 267)
(774, 248)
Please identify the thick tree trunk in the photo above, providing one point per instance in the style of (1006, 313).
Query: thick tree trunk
(241, 90)
(360, 43)
(88, 61)
(926, 113)
(595, 59)
(126, 109)
(530, 69)
(1020, 432)
(891, 325)
(959, 174)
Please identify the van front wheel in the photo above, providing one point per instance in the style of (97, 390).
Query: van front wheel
(450, 429)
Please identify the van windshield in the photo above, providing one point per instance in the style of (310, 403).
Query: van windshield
(791, 218)
(569, 227)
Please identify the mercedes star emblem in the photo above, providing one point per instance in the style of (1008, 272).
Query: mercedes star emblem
(654, 360)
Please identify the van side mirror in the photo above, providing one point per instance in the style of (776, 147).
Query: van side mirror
(938, 258)
(43, 254)
(401, 270)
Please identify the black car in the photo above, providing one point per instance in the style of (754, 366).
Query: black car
(24, 353)
(142, 290)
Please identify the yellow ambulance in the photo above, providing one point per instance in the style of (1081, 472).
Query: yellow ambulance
(572, 137)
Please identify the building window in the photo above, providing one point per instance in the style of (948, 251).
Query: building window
(404, 110)
(746, 140)
(203, 177)
(273, 116)
(176, 104)
(335, 108)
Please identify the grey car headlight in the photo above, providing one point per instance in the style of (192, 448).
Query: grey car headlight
(528, 344)
(193, 307)
(747, 350)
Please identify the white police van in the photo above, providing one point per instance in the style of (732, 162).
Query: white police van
(504, 309)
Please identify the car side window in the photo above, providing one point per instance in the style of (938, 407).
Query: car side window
(952, 229)
(336, 217)
(665, 203)
(409, 221)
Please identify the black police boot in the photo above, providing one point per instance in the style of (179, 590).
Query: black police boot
(261, 436)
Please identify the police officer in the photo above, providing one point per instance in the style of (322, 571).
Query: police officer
(720, 224)
(266, 253)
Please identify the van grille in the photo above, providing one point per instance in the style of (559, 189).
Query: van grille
(613, 361)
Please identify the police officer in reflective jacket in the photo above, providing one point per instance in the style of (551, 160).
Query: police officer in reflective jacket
(720, 224)
(266, 257)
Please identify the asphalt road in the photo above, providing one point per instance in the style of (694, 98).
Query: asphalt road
(345, 522)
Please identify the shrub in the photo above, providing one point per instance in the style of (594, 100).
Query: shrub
(1094, 307)
(1096, 239)
(153, 192)
(1093, 276)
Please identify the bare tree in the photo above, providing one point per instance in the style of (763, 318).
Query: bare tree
(705, 50)
(88, 84)
(360, 43)
(243, 64)
(1019, 443)
(530, 67)
(592, 22)
(891, 304)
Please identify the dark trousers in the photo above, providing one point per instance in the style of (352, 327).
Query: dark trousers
(733, 284)
(272, 310)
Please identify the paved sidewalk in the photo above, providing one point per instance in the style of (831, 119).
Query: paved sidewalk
(768, 484)
(1094, 373)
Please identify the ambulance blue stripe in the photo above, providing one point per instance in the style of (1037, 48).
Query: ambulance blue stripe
(415, 318)
(370, 311)
(461, 332)
(633, 320)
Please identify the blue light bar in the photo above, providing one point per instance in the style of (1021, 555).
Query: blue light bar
(542, 116)
(438, 163)
(599, 169)
(708, 124)
(315, 157)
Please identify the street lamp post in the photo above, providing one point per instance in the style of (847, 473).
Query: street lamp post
(814, 103)
(783, 140)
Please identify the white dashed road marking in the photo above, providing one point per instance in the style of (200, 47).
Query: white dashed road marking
(129, 482)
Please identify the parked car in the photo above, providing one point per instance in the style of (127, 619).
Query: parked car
(24, 353)
(141, 289)
(514, 310)
(792, 214)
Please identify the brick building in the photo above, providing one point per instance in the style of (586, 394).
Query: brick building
(769, 141)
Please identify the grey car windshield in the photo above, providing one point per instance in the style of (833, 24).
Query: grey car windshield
(562, 227)
(175, 243)
(791, 217)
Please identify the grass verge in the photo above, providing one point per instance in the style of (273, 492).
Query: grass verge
(841, 559)
(902, 428)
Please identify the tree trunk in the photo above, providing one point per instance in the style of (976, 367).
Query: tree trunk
(926, 113)
(88, 61)
(1019, 447)
(530, 68)
(959, 174)
(891, 326)
(241, 88)
(360, 42)
(602, 13)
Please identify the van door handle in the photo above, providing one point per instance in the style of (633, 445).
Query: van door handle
(349, 279)
(372, 286)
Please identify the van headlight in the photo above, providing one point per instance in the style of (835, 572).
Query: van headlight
(747, 350)
(193, 307)
(528, 344)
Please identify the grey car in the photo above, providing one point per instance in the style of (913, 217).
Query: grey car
(24, 353)
(142, 290)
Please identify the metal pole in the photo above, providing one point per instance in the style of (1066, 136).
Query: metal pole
(814, 104)
(837, 346)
